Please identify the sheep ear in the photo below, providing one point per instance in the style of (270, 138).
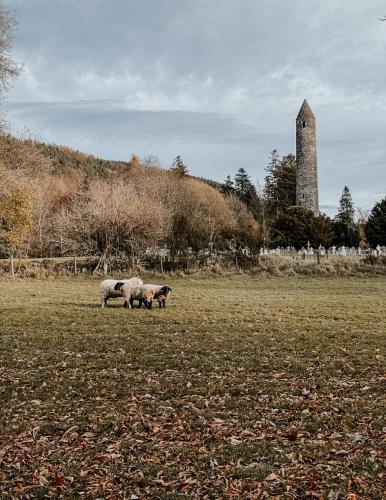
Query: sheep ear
(118, 286)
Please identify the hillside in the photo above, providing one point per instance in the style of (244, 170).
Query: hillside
(34, 156)
(64, 158)
(58, 202)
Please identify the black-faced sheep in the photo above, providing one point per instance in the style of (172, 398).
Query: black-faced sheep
(130, 293)
(108, 290)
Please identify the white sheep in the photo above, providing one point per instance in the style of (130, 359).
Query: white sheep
(130, 293)
(108, 291)
(161, 293)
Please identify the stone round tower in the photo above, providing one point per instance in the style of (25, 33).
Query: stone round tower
(306, 166)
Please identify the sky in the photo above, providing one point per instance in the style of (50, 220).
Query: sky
(217, 82)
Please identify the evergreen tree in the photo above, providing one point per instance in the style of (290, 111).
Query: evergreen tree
(345, 234)
(246, 191)
(297, 226)
(178, 167)
(345, 230)
(244, 188)
(280, 183)
(321, 230)
(376, 224)
(346, 208)
(228, 186)
(270, 191)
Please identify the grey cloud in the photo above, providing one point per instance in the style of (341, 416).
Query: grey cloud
(108, 119)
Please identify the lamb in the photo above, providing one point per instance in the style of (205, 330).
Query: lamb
(109, 292)
(161, 293)
(130, 293)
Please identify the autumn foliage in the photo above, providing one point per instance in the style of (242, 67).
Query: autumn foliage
(80, 205)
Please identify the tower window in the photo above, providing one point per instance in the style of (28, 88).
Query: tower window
(304, 124)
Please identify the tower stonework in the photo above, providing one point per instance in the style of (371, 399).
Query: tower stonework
(306, 164)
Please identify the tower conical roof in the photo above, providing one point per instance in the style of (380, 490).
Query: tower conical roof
(305, 111)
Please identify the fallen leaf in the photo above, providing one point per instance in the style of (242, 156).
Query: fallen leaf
(272, 477)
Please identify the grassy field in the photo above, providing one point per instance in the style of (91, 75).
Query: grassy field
(241, 387)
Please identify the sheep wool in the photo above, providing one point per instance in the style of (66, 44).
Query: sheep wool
(108, 292)
(142, 294)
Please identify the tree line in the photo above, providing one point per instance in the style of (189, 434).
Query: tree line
(282, 223)
(131, 207)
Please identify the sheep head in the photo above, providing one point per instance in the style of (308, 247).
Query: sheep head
(118, 286)
(148, 296)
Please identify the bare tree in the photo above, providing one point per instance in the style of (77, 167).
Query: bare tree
(9, 69)
(109, 218)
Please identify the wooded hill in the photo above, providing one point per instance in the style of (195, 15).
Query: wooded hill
(56, 201)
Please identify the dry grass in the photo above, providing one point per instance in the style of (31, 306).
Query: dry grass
(269, 265)
(244, 387)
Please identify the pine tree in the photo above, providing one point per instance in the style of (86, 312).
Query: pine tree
(280, 183)
(345, 231)
(270, 190)
(178, 167)
(228, 186)
(243, 186)
(346, 208)
(246, 191)
(376, 224)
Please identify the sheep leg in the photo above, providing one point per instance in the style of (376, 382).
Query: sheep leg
(131, 303)
(103, 301)
(164, 303)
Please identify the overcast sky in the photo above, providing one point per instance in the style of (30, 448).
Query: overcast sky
(217, 82)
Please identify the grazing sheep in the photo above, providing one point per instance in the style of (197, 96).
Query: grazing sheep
(109, 292)
(161, 293)
(130, 293)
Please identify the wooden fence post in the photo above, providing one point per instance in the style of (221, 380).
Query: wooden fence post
(12, 266)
